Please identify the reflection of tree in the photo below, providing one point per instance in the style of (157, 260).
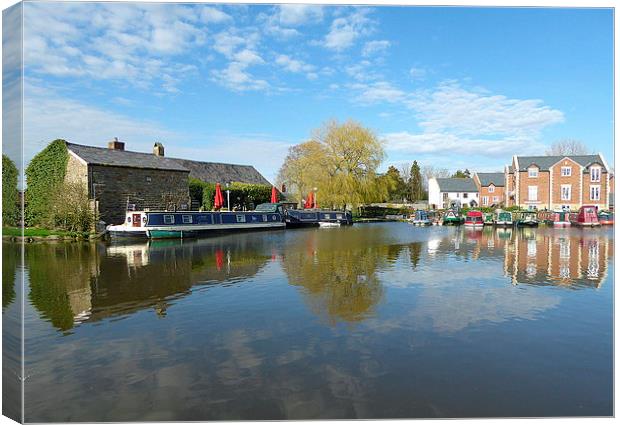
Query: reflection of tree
(60, 277)
(340, 282)
(415, 250)
(10, 259)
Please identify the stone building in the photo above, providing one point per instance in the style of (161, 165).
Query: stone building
(556, 182)
(117, 178)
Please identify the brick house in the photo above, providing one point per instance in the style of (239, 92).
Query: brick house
(556, 182)
(441, 191)
(490, 188)
(116, 177)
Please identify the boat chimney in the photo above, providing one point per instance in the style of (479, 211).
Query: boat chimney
(116, 145)
(158, 149)
(283, 188)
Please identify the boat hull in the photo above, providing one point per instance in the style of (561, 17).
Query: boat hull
(187, 232)
(504, 223)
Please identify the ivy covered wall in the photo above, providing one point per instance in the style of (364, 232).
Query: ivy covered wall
(44, 176)
(10, 209)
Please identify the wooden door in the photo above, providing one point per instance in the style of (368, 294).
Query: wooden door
(135, 220)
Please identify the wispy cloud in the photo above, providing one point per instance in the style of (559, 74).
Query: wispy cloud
(299, 14)
(376, 46)
(346, 30)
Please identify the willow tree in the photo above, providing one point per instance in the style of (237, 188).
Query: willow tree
(304, 168)
(353, 154)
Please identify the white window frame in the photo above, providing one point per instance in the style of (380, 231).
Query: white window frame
(168, 219)
(598, 192)
(529, 193)
(187, 219)
(240, 218)
(532, 172)
(496, 199)
(566, 171)
(562, 191)
(485, 200)
(491, 189)
(595, 174)
(465, 195)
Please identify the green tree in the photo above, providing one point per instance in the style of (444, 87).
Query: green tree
(10, 210)
(460, 174)
(396, 186)
(416, 183)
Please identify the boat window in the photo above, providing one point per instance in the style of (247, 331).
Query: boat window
(339, 216)
(187, 219)
(264, 217)
(274, 217)
(128, 219)
(168, 219)
(240, 218)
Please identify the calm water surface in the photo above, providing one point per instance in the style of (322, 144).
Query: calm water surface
(372, 321)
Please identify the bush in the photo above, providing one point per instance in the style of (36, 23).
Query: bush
(242, 195)
(44, 176)
(10, 209)
(71, 209)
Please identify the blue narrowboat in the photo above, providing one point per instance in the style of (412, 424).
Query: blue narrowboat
(316, 217)
(188, 224)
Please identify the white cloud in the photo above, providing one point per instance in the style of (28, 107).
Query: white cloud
(299, 14)
(377, 92)
(295, 65)
(376, 46)
(345, 31)
(236, 77)
(417, 73)
(450, 108)
(241, 49)
(212, 15)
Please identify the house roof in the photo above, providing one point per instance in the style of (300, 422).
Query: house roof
(544, 162)
(486, 179)
(212, 172)
(457, 185)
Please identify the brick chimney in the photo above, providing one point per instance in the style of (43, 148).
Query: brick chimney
(116, 145)
(158, 149)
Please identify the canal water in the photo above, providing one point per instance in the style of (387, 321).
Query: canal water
(370, 321)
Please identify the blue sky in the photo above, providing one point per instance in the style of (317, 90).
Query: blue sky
(450, 87)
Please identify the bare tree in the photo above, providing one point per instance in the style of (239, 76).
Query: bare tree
(429, 172)
(405, 171)
(568, 147)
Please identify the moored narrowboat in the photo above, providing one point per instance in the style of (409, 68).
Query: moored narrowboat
(503, 219)
(558, 219)
(474, 219)
(314, 217)
(587, 216)
(190, 224)
(421, 218)
(528, 220)
(606, 218)
(488, 219)
(452, 218)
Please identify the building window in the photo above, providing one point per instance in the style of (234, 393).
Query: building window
(565, 192)
(566, 171)
(485, 200)
(465, 195)
(532, 172)
(595, 174)
(595, 193)
(491, 189)
(148, 179)
(532, 193)
(495, 199)
(168, 219)
(187, 219)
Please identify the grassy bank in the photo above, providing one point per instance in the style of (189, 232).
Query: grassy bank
(35, 234)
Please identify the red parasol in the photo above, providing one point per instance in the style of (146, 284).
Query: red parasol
(219, 199)
(309, 201)
(274, 194)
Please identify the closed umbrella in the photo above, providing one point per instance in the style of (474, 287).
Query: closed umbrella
(274, 194)
(309, 201)
(219, 199)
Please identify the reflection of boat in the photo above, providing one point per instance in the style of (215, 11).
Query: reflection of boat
(586, 217)
(528, 220)
(187, 224)
(504, 218)
(606, 218)
(421, 218)
(474, 219)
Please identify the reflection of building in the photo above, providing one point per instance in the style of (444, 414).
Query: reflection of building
(558, 258)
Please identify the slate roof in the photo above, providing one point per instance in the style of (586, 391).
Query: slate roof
(498, 179)
(544, 162)
(211, 172)
(457, 185)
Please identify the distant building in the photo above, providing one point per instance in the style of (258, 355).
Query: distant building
(117, 178)
(441, 191)
(490, 188)
(556, 182)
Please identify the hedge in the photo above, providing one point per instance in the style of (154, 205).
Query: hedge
(242, 195)
(44, 176)
(10, 209)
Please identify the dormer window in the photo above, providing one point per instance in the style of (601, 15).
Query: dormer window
(566, 171)
(532, 172)
(491, 189)
(595, 174)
